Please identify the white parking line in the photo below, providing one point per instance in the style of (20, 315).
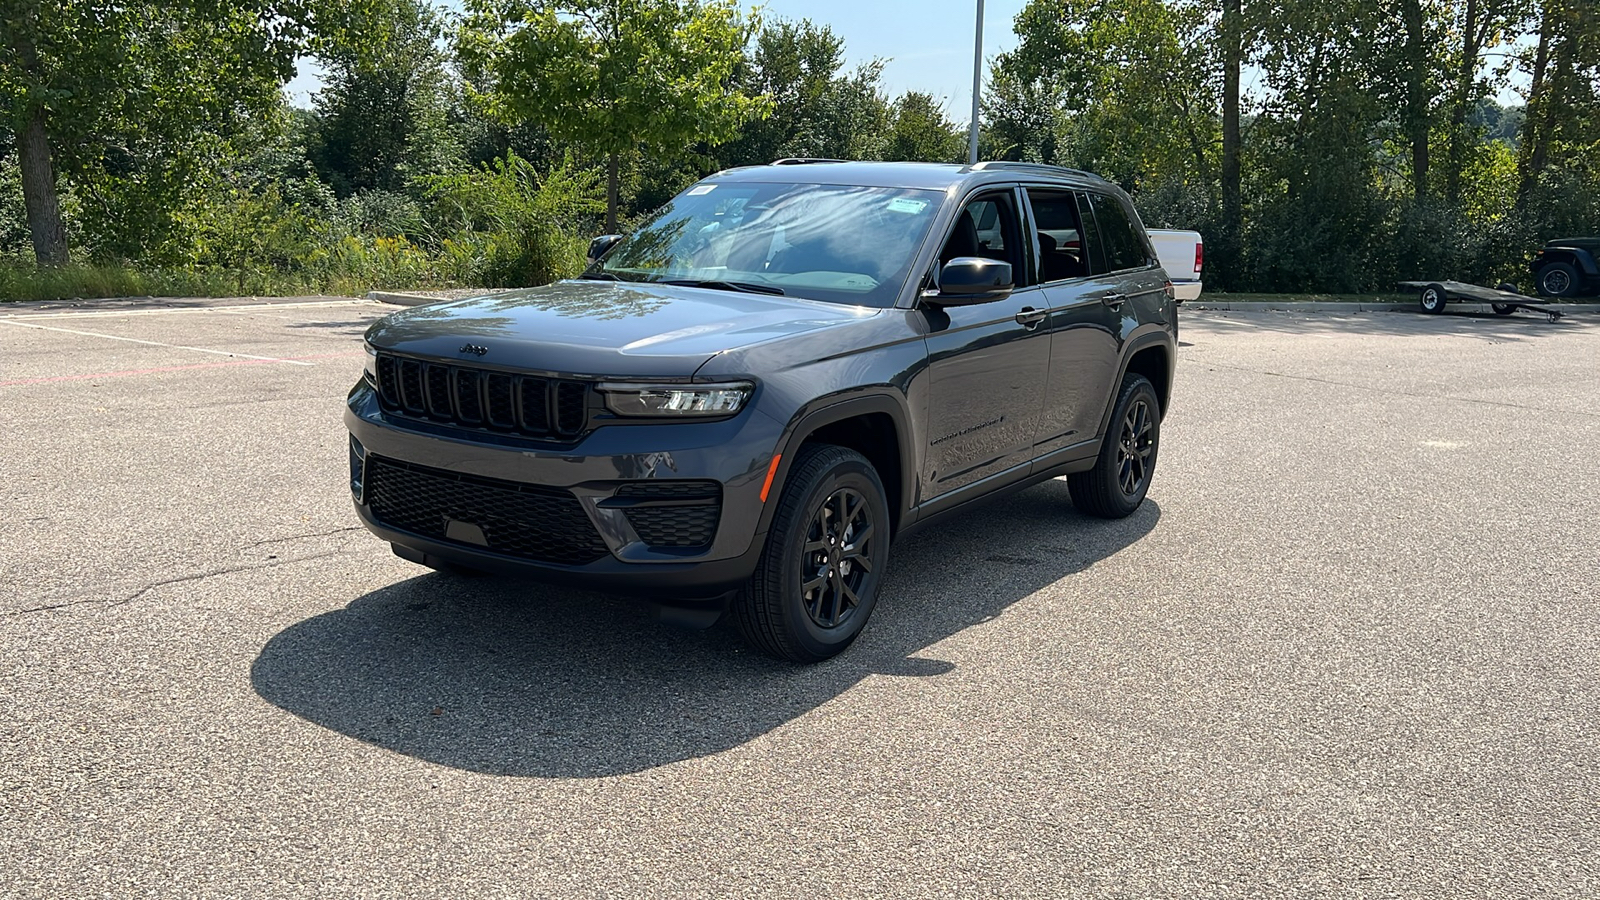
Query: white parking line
(115, 337)
(103, 313)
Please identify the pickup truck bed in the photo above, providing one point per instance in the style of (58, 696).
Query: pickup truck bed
(1182, 254)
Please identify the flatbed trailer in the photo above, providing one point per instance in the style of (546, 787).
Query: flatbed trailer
(1504, 300)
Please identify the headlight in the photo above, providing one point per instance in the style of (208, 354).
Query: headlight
(371, 364)
(672, 400)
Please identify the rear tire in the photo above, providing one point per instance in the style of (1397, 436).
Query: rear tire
(818, 578)
(1504, 309)
(1433, 299)
(1558, 279)
(1117, 484)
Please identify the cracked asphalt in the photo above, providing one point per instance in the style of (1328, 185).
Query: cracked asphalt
(1348, 649)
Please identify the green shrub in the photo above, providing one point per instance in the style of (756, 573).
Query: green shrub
(505, 226)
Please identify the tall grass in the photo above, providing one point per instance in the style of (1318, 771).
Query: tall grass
(501, 225)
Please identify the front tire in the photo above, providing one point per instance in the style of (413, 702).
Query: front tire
(818, 578)
(1433, 298)
(1558, 279)
(1117, 484)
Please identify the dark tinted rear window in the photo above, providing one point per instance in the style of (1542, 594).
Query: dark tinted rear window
(1124, 246)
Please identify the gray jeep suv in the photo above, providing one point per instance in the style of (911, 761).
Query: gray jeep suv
(738, 406)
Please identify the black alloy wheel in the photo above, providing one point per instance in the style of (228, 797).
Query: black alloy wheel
(825, 554)
(1121, 476)
(1135, 448)
(837, 558)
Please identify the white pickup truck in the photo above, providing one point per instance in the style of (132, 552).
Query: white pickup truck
(1182, 253)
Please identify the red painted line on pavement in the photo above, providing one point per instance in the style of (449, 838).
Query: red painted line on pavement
(162, 369)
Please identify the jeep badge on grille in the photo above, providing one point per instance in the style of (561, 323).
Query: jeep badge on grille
(475, 349)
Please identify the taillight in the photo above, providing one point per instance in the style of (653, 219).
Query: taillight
(1199, 256)
(1171, 292)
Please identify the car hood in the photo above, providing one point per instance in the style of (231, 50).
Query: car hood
(603, 329)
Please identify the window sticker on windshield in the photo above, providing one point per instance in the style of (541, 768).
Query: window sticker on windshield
(905, 205)
(699, 189)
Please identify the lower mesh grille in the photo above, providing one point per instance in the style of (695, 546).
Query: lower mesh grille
(675, 526)
(527, 521)
(674, 514)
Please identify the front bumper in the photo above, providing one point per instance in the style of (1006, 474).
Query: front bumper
(734, 453)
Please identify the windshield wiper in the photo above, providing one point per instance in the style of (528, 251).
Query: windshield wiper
(600, 276)
(742, 286)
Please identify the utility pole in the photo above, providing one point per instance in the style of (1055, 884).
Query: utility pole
(977, 87)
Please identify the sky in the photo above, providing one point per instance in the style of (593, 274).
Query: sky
(927, 44)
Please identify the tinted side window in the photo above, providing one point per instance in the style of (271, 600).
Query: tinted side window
(1124, 247)
(989, 227)
(1094, 255)
(1055, 215)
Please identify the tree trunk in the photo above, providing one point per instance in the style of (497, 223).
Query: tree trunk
(1416, 69)
(39, 193)
(1232, 202)
(33, 157)
(1466, 75)
(1535, 134)
(612, 178)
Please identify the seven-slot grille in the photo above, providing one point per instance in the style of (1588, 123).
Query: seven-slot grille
(479, 398)
(528, 521)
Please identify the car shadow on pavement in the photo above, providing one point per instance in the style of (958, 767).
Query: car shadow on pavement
(493, 676)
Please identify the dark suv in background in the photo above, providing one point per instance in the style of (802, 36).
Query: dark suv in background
(1568, 267)
(742, 403)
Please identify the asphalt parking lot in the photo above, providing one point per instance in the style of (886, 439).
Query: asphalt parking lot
(1349, 648)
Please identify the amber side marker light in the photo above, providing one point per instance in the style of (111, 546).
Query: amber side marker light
(772, 470)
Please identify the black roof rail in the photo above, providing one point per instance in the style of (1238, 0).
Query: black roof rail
(1042, 168)
(803, 161)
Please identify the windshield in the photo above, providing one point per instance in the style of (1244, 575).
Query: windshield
(836, 243)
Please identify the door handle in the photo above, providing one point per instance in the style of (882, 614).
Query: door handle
(1031, 317)
(1114, 299)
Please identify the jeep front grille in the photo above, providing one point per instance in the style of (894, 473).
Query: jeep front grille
(528, 405)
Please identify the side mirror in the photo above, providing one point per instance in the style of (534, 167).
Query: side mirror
(967, 280)
(602, 245)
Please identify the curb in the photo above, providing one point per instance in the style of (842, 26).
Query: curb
(1327, 306)
(400, 299)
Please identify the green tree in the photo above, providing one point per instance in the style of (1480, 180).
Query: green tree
(1129, 89)
(1563, 111)
(921, 131)
(130, 99)
(795, 65)
(1480, 26)
(614, 76)
(383, 115)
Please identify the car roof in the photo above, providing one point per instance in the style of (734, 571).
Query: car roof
(915, 175)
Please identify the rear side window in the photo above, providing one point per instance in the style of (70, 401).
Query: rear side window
(1124, 245)
(1055, 216)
